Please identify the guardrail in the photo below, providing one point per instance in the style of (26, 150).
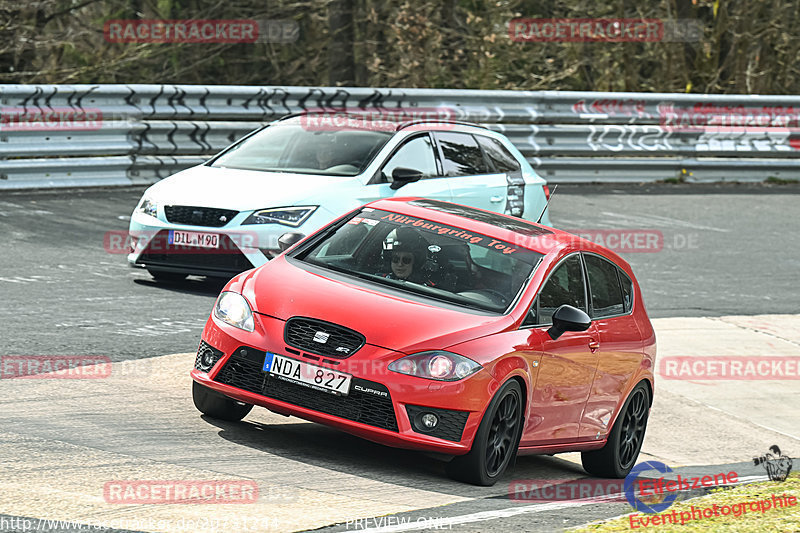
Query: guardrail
(93, 135)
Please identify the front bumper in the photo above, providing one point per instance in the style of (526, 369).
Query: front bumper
(240, 247)
(382, 406)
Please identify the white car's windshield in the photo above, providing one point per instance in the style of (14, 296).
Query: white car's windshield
(421, 256)
(299, 148)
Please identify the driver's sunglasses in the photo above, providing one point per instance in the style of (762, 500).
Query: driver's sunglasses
(406, 260)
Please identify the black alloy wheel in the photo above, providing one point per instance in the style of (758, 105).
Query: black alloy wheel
(502, 434)
(496, 441)
(633, 427)
(618, 456)
(216, 405)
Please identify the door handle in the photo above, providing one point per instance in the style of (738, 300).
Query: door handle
(593, 345)
(496, 199)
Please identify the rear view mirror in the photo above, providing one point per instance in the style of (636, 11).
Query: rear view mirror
(568, 318)
(403, 176)
(287, 240)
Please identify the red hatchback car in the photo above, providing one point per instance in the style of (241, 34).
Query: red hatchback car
(433, 326)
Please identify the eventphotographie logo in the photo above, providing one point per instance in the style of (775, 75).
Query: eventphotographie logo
(647, 504)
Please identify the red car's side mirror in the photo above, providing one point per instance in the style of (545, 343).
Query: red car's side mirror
(568, 318)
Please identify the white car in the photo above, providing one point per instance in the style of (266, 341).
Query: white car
(299, 173)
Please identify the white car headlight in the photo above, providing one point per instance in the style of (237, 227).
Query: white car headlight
(438, 365)
(233, 309)
(288, 216)
(148, 207)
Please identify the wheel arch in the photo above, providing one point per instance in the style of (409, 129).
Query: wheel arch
(642, 379)
(524, 389)
(649, 386)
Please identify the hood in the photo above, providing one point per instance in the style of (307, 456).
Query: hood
(283, 290)
(240, 190)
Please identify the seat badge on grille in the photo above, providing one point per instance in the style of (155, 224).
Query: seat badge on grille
(321, 337)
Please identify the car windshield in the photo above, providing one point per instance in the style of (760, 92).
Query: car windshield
(425, 257)
(299, 148)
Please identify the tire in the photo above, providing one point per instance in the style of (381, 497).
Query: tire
(216, 405)
(160, 275)
(618, 456)
(496, 442)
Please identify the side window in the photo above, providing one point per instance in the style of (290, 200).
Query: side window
(627, 290)
(416, 154)
(461, 154)
(565, 286)
(604, 286)
(499, 155)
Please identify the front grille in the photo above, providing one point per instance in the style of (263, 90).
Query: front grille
(209, 353)
(244, 371)
(226, 259)
(451, 423)
(322, 338)
(198, 216)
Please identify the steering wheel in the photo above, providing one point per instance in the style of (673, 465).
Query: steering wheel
(501, 298)
(493, 296)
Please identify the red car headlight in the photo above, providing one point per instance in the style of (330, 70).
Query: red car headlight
(438, 365)
(233, 309)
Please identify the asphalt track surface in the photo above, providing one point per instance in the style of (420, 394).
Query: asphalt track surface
(725, 250)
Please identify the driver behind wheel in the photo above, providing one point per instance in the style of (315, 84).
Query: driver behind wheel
(407, 253)
(326, 155)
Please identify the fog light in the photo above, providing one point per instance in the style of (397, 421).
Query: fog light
(207, 360)
(429, 420)
(207, 357)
